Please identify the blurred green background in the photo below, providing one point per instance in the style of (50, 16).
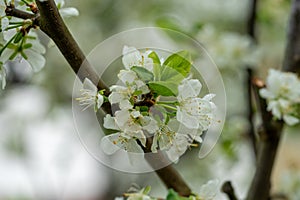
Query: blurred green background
(42, 158)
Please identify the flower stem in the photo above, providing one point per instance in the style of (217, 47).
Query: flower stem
(167, 106)
(168, 102)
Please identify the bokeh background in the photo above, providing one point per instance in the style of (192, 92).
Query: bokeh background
(41, 156)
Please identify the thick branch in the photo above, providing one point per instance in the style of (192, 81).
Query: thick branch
(252, 19)
(52, 24)
(269, 141)
(272, 130)
(12, 11)
(170, 177)
(292, 51)
(251, 29)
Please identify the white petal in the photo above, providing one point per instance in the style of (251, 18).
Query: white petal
(127, 76)
(36, 60)
(61, 3)
(266, 94)
(154, 145)
(125, 104)
(89, 85)
(131, 57)
(100, 100)
(69, 12)
(122, 117)
(179, 146)
(133, 147)
(115, 97)
(208, 97)
(107, 144)
(290, 120)
(110, 123)
(2, 76)
(135, 114)
(4, 23)
(209, 190)
(151, 127)
(275, 108)
(186, 119)
(189, 88)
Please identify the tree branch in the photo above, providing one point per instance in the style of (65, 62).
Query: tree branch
(269, 141)
(12, 11)
(272, 130)
(170, 177)
(52, 24)
(292, 52)
(251, 29)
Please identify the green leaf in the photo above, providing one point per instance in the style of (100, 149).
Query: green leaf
(27, 46)
(154, 57)
(171, 75)
(147, 190)
(180, 61)
(172, 195)
(156, 65)
(18, 37)
(143, 73)
(164, 88)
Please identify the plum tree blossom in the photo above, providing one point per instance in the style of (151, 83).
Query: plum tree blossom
(282, 93)
(18, 39)
(133, 57)
(194, 112)
(90, 96)
(144, 109)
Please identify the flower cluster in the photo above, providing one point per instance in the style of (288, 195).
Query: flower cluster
(229, 50)
(208, 191)
(18, 41)
(282, 93)
(157, 100)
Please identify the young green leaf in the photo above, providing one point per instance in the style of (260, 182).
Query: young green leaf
(143, 73)
(180, 61)
(154, 57)
(172, 195)
(164, 88)
(147, 189)
(156, 65)
(171, 75)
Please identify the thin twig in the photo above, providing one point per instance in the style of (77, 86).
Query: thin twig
(229, 190)
(12, 11)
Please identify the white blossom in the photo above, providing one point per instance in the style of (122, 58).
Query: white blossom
(126, 95)
(194, 112)
(34, 54)
(282, 93)
(2, 75)
(66, 12)
(163, 138)
(131, 126)
(229, 49)
(209, 190)
(90, 96)
(133, 57)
